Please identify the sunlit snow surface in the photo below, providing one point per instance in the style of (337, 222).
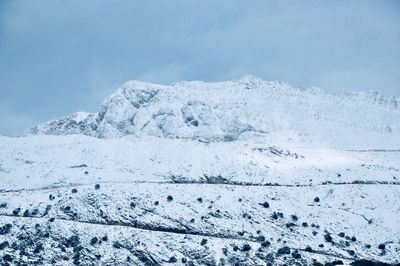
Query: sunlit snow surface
(207, 174)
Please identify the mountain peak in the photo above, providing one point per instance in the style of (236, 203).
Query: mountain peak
(235, 109)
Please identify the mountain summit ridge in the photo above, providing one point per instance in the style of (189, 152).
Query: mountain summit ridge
(214, 111)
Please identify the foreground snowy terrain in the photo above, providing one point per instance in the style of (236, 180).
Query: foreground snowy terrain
(244, 172)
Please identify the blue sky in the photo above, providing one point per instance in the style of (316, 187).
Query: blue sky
(58, 57)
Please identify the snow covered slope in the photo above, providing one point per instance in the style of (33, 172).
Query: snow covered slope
(244, 172)
(241, 108)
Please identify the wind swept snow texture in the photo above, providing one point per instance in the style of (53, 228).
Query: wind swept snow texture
(244, 172)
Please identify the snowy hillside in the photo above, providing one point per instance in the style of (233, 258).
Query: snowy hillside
(244, 172)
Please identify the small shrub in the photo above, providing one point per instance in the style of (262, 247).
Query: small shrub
(328, 237)
(246, 247)
(7, 258)
(38, 248)
(93, 241)
(265, 243)
(172, 259)
(73, 241)
(5, 229)
(289, 225)
(351, 252)
(296, 254)
(16, 211)
(117, 245)
(283, 250)
(4, 245)
(261, 238)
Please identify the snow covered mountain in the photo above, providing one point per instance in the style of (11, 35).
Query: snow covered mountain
(245, 172)
(237, 109)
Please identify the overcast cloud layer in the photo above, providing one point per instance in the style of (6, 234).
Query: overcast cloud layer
(58, 57)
